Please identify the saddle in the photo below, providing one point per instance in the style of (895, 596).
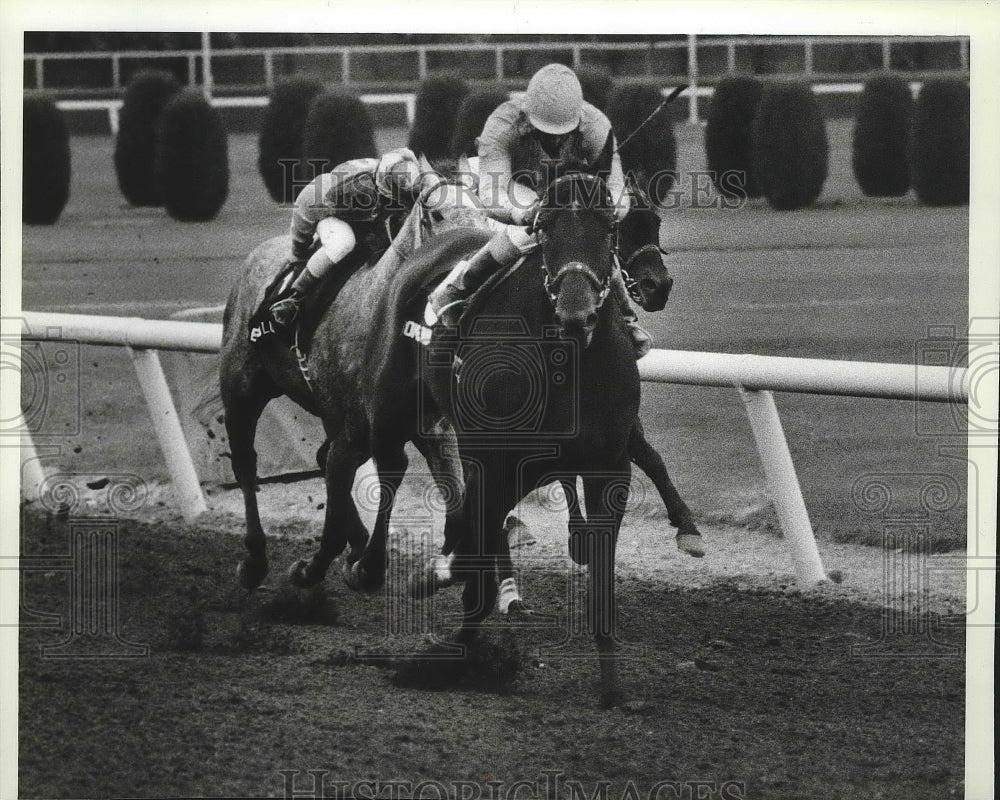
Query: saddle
(414, 327)
(311, 310)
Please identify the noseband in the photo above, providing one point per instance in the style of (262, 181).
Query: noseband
(553, 282)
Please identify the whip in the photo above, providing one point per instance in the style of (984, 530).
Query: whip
(667, 101)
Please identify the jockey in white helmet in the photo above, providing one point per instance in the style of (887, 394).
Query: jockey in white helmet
(356, 201)
(551, 121)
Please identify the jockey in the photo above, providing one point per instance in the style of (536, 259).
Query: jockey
(362, 200)
(552, 121)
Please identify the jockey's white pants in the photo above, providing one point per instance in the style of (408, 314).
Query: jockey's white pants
(310, 218)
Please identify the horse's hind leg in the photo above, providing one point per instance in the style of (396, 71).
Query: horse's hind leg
(243, 410)
(440, 450)
(341, 525)
(577, 524)
(644, 456)
(368, 572)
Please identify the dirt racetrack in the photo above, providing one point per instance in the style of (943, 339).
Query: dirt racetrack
(753, 689)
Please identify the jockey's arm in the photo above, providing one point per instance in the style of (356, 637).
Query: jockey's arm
(498, 191)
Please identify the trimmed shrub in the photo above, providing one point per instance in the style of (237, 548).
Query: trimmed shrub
(472, 115)
(790, 149)
(941, 143)
(281, 135)
(438, 102)
(192, 158)
(338, 128)
(652, 153)
(46, 159)
(881, 137)
(597, 86)
(729, 136)
(135, 146)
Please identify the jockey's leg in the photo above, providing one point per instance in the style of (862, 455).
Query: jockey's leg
(503, 250)
(642, 342)
(337, 238)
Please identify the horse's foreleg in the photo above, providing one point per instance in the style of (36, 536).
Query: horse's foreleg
(644, 456)
(476, 551)
(242, 414)
(341, 524)
(604, 516)
(368, 572)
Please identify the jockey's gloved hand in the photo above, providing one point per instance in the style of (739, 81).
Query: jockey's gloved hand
(398, 173)
(526, 216)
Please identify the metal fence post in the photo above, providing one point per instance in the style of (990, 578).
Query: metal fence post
(32, 471)
(784, 485)
(693, 78)
(167, 426)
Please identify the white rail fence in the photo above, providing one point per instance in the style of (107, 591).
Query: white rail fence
(408, 100)
(753, 376)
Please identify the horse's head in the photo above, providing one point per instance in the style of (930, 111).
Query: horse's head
(576, 226)
(646, 276)
(449, 202)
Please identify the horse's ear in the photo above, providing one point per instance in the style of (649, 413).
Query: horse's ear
(425, 165)
(602, 166)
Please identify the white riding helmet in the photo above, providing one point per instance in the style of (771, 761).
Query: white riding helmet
(398, 170)
(554, 99)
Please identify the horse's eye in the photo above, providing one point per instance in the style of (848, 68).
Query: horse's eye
(437, 216)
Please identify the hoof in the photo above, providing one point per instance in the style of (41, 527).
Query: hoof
(435, 575)
(690, 543)
(518, 610)
(302, 576)
(361, 580)
(610, 698)
(251, 572)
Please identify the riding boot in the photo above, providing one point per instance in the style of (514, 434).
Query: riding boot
(642, 342)
(285, 310)
(445, 303)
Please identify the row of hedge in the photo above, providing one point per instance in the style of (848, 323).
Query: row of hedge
(760, 140)
(172, 149)
(770, 140)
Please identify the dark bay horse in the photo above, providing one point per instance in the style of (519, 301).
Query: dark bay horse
(649, 284)
(540, 385)
(348, 392)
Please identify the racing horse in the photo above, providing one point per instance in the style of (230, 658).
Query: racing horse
(333, 381)
(539, 384)
(649, 284)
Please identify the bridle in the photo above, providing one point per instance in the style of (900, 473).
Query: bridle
(547, 207)
(631, 284)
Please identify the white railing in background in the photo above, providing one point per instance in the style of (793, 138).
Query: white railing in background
(344, 63)
(409, 100)
(752, 375)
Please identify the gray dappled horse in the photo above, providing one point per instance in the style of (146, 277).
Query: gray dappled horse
(352, 395)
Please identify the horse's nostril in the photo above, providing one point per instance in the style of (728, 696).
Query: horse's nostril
(591, 321)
